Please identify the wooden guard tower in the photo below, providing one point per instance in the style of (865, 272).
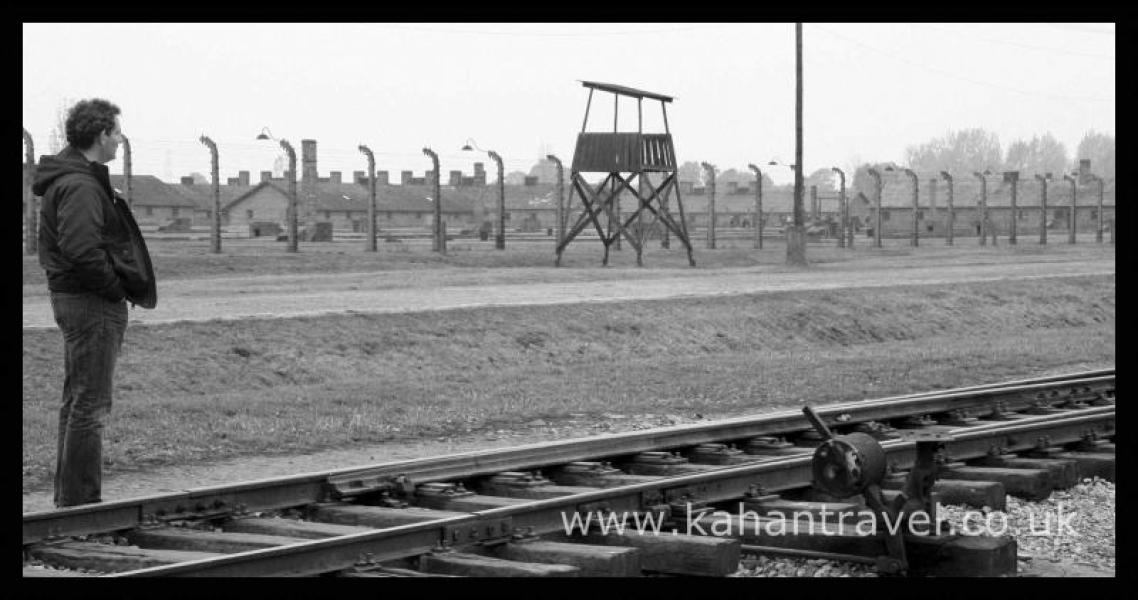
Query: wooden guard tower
(626, 159)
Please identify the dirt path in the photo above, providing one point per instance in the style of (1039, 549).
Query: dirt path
(406, 291)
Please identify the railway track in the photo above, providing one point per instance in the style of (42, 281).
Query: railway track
(508, 511)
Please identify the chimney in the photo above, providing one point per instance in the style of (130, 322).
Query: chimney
(455, 178)
(530, 180)
(187, 181)
(233, 181)
(405, 177)
(687, 187)
(428, 177)
(1084, 170)
(266, 176)
(308, 179)
(382, 178)
(360, 177)
(479, 173)
(244, 177)
(335, 177)
(732, 187)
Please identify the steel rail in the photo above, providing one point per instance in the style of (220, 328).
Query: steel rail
(297, 490)
(548, 515)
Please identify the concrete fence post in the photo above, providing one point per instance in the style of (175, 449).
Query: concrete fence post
(983, 207)
(1043, 179)
(1071, 220)
(951, 210)
(31, 214)
(843, 211)
(293, 245)
(710, 204)
(916, 208)
(371, 232)
(877, 203)
(1098, 230)
(562, 210)
(758, 219)
(439, 240)
(215, 191)
(1012, 177)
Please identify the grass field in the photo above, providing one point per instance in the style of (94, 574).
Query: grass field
(201, 391)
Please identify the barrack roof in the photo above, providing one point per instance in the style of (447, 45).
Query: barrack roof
(625, 91)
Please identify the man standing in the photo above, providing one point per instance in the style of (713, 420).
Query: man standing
(95, 260)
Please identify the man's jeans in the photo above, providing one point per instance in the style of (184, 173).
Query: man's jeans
(92, 334)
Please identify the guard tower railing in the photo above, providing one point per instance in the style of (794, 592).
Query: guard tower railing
(627, 152)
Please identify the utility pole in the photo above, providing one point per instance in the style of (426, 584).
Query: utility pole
(795, 235)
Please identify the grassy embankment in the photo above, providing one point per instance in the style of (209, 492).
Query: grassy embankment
(200, 391)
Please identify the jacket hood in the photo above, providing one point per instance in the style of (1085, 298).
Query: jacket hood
(51, 168)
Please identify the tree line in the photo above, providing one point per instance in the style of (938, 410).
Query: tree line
(960, 152)
(971, 150)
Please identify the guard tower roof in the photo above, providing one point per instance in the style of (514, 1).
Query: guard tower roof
(625, 91)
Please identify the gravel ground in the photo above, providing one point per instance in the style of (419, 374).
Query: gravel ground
(1070, 534)
(1072, 528)
(776, 566)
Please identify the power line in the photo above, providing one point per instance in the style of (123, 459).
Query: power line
(1016, 44)
(956, 76)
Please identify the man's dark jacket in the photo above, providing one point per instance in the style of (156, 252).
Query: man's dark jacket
(88, 238)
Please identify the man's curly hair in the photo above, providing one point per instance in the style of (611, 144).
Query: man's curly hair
(87, 119)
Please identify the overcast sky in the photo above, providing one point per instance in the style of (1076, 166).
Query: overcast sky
(871, 90)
